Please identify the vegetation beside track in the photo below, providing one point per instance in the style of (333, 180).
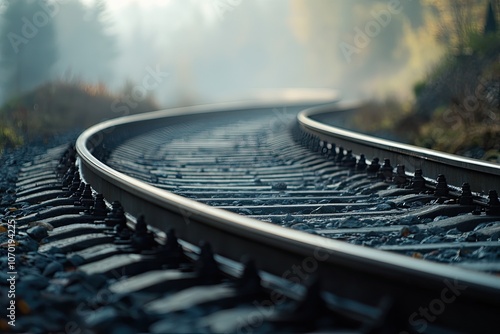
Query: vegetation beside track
(58, 107)
(456, 107)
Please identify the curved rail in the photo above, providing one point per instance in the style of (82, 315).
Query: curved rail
(481, 175)
(292, 254)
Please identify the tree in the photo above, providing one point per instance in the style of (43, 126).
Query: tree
(87, 45)
(490, 27)
(28, 48)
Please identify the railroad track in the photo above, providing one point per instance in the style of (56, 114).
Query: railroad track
(263, 183)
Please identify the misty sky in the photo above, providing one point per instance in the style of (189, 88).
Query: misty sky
(219, 50)
(226, 49)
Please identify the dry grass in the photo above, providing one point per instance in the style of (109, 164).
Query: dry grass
(59, 107)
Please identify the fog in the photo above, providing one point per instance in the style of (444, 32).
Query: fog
(220, 50)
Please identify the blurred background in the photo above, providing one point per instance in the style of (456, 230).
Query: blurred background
(428, 71)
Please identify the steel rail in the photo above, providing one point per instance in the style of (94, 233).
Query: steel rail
(481, 175)
(347, 270)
